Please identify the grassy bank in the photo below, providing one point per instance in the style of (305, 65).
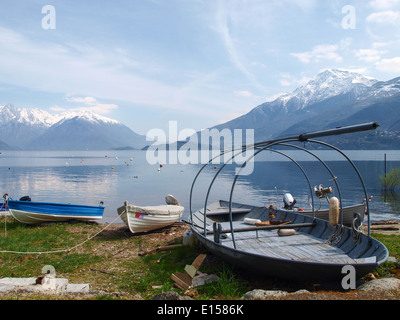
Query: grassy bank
(110, 263)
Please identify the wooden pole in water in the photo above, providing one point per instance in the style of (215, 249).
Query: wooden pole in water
(385, 173)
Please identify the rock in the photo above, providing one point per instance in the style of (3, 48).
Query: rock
(170, 295)
(258, 294)
(204, 278)
(77, 288)
(302, 291)
(47, 285)
(381, 285)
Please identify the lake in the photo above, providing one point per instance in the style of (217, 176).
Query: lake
(88, 177)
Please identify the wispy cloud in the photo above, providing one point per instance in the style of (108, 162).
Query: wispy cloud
(385, 17)
(389, 65)
(369, 55)
(88, 104)
(91, 71)
(384, 4)
(223, 18)
(318, 53)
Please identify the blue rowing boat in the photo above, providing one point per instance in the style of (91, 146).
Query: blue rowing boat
(38, 212)
(3, 207)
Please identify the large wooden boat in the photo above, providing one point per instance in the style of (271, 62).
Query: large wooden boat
(288, 244)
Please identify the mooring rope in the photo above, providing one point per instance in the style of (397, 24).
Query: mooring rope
(67, 250)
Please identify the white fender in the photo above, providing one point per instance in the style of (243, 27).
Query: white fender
(251, 221)
(333, 211)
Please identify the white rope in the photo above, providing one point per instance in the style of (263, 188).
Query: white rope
(63, 250)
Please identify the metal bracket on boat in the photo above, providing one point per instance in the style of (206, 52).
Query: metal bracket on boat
(217, 230)
(356, 227)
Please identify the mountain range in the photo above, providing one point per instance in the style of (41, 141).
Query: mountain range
(331, 99)
(35, 129)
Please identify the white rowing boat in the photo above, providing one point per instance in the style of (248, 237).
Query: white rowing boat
(148, 218)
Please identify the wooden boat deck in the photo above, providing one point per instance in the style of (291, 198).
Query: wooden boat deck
(299, 247)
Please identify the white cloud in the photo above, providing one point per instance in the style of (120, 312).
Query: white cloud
(376, 45)
(387, 17)
(384, 4)
(288, 80)
(227, 15)
(91, 71)
(389, 65)
(318, 53)
(368, 55)
(244, 93)
(91, 104)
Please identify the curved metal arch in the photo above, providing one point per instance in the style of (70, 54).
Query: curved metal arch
(327, 168)
(237, 175)
(272, 150)
(358, 174)
(194, 182)
(209, 188)
(293, 146)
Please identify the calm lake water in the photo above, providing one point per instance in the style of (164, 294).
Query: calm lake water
(88, 177)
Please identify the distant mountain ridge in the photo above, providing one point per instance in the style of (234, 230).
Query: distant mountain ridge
(35, 129)
(332, 98)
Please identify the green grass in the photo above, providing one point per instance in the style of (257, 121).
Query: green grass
(392, 243)
(125, 272)
(21, 239)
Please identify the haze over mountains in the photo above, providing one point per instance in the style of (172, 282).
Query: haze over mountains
(332, 98)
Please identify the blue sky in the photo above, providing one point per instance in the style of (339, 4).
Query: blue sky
(197, 62)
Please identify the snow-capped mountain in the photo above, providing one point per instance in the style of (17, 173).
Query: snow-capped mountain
(325, 85)
(332, 98)
(37, 129)
(30, 117)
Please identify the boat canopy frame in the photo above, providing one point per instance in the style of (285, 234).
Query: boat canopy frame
(286, 142)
